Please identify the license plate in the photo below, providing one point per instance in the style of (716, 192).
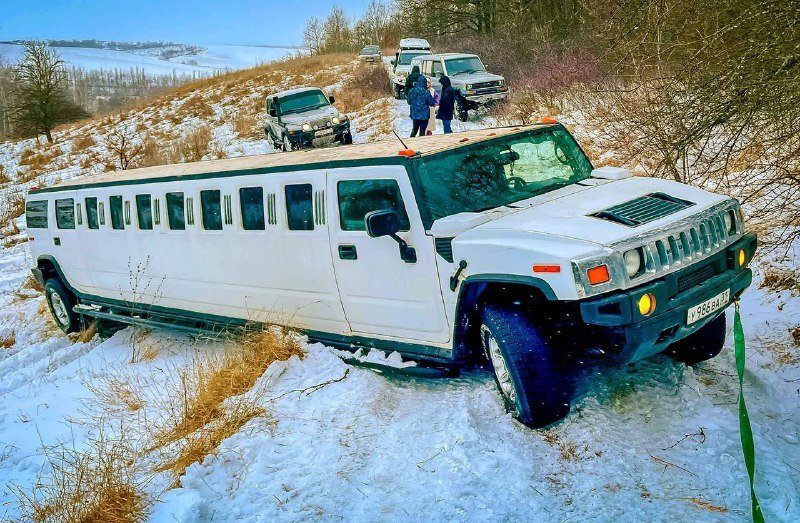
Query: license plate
(701, 310)
(324, 132)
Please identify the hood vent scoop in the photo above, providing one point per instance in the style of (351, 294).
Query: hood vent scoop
(644, 209)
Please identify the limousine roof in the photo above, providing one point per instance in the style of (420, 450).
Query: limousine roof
(386, 151)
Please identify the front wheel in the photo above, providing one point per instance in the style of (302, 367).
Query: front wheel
(398, 92)
(347, 138)
(702, 345)
(287, 145)
(60, 303)
(534, 389)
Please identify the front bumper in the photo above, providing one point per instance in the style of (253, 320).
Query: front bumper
(481, 97)
(336, 134)
(636, 336)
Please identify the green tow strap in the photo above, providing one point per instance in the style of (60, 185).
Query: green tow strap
(745, 431)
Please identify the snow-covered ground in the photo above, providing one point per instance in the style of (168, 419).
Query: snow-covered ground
(652, 441)
(213, 58)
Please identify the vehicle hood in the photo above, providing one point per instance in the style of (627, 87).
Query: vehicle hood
(316, 116)
(566, 212)
(474, 78)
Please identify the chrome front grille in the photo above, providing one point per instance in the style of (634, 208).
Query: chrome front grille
(682, 244)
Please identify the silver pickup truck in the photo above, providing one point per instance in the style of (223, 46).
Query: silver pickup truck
(473, 83)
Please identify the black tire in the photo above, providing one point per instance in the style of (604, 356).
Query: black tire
(533, 387)
(60, 302)
(347, 138)
(398, 92)
(702, 345)
(461, 107)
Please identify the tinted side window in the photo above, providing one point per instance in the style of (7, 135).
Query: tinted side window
(115, 205)
(36, 214)
(144, 211)
(299, 209)
(212, 210)
(359, 197)
(251, 200)
(437, 69)
(65, 213)
(91, 213)
(175, 211)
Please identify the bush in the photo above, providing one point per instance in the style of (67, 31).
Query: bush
(366, 84)
(196, 144)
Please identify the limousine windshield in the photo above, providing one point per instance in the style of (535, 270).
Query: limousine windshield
(501, 172)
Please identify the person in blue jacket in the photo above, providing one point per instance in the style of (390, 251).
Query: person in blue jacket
(447, 101)
(420, 100)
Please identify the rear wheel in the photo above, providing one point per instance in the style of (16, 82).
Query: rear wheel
(530, 381)
(701, 345)
(60, 302)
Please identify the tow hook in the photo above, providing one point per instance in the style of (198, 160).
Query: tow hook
(454, 278)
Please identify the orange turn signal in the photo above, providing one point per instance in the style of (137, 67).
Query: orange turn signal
(406, 152)
(598, 274)
(547, 268)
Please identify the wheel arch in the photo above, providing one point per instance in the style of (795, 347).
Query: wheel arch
(478, 290)
(49, 268)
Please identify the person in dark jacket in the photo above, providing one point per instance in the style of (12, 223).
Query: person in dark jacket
(411, 79)
(420, 100)
(447, 102)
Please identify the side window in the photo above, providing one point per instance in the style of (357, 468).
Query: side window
(212, 210)
(65, 213)
(438, 70)
(91, 213)
(36, 214)
(251, 200)
(115, 205)
(299, 209)
(359, 197)
(175, 211)
(144, 211)
(425, 68)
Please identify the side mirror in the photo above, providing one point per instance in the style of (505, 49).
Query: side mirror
(331, 99)
(273, 113)
(385, 222)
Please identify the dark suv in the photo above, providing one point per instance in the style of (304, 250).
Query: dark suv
(304, 117)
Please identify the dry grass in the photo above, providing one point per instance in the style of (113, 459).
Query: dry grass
(247, 126)
(37, 161)
(3, 176)
(212, 404)
(12, 206)
(366, 84)
(778, 279)
(83, 142)
(87, 333)
(95, 485)
(196, 144)
(795, 332)
(8, 340)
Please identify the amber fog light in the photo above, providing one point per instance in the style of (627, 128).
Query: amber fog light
(742, 257)
(647, 304)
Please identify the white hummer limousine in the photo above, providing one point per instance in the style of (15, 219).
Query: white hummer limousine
(502, 244)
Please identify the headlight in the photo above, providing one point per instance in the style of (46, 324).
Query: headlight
(730, 223)
(306, 127)
(468, 86)
(502, 82)
(335, 120)
(633, 262)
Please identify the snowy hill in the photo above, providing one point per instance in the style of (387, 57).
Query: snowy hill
(189, 60)
(652, 441)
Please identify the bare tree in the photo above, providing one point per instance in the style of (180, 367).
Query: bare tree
(40, 94)
(314, 35)
(126, 144)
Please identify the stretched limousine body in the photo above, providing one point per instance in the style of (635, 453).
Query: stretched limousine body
(504, 243)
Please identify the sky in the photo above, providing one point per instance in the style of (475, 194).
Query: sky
(244, 22)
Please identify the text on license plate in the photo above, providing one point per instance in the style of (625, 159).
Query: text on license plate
(701, 310)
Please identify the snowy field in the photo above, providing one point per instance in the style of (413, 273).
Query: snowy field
(213, 58)
(652, 441)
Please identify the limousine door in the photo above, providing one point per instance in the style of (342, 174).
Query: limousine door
(384, 296)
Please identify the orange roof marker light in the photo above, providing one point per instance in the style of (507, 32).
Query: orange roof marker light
(406, 152)
(598, 275)
(547, 268)
(547, 119)
(464, 139)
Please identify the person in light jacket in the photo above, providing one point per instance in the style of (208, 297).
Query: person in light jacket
(432, 119)
(420, 102)
(447, 102)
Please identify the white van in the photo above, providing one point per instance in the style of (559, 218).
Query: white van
(500, 243)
